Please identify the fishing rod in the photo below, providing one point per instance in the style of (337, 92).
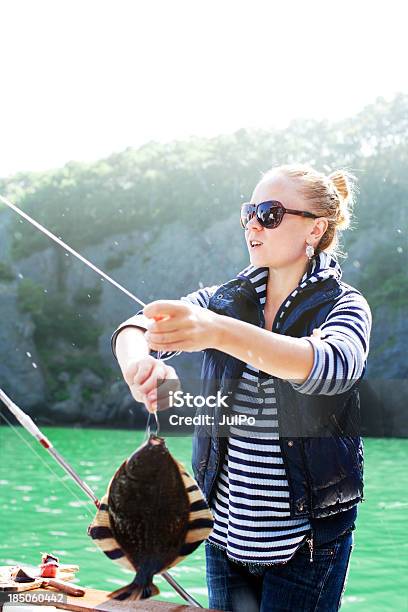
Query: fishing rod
(24, 419)
(29, 425)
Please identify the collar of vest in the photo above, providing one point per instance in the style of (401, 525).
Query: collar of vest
(312, 296)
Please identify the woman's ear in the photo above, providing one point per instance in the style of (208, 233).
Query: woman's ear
(319, 228)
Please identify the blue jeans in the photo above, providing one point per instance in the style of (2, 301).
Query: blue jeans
(296, 586)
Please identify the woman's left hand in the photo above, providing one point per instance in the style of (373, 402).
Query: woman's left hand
(182, 326)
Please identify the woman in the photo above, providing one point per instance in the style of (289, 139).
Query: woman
(287, 340)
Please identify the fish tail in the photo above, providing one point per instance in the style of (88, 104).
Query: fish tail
(135, 591)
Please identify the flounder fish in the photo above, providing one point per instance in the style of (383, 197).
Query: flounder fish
(152, 516)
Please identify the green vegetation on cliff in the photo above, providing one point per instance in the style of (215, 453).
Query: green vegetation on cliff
(196, 181)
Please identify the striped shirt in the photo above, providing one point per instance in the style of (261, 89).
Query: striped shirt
(251, 501)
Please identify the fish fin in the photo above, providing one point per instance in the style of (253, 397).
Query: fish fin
(135, 591)
(200, 518)
(101, 532)
(195, 495)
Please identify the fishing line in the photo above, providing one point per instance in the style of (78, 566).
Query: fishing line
(49, 468)
(152, 418)
(65, 246)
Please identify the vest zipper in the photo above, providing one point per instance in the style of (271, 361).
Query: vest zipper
(237, 373)
(310, 543)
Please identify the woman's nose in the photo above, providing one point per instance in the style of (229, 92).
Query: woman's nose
(253, 223)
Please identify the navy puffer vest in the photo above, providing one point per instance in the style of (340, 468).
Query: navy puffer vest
(319, 434)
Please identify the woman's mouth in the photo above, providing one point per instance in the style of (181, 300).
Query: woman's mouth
(254, 244)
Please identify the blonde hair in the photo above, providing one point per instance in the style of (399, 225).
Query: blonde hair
(331, 196)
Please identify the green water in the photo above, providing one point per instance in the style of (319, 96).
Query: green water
(42, 510)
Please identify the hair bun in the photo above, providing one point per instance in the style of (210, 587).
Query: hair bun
(340, 181)
(343, 182)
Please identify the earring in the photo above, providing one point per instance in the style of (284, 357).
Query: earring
(310, 251)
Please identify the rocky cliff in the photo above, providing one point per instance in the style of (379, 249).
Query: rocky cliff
(160, 265)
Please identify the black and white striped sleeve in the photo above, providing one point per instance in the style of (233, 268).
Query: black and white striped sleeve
(340, 354)
(201, 297)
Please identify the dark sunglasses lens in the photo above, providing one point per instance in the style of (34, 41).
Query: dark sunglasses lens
(247, 212)
(270, 215)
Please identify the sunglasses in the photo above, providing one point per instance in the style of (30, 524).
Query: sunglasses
(269, 214)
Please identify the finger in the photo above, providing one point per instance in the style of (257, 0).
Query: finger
(164, 338)
(163, 404)
(165, 342)
(151, 395)
(167, 325)
(150, 404)
(168, 387)
(159, 318)
(150, 384)
(144, 371)
(179, 346)
(130, 372)
(170, 383)
(164, 307)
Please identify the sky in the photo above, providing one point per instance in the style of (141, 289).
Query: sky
(83, 79)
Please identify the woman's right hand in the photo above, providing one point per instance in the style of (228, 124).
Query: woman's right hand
(142, 377)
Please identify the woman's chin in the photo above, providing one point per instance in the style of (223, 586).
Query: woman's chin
(257, 259)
